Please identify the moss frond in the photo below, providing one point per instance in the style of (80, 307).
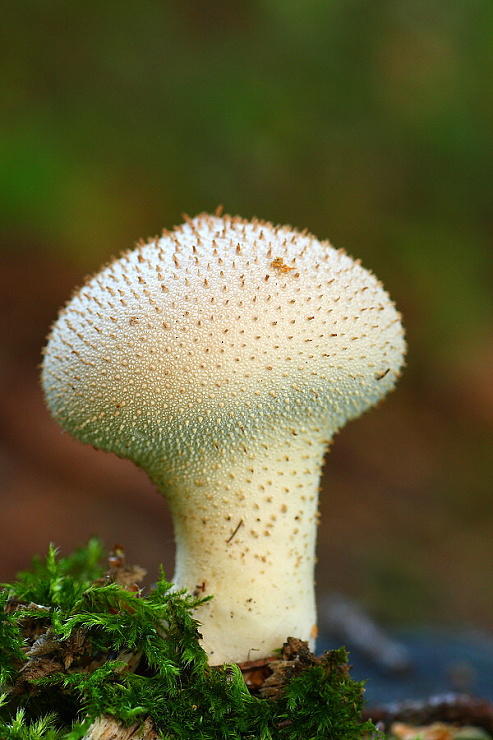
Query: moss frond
(76, 645)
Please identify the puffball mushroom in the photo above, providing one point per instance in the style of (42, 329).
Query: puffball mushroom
(221, 358)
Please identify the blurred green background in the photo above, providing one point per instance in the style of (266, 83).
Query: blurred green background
(370, 122)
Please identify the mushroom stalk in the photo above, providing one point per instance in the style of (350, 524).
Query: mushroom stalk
(222, 358)
(245, 533)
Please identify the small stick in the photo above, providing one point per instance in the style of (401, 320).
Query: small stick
(235, 531)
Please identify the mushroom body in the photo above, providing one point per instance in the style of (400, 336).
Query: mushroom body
(222, 358)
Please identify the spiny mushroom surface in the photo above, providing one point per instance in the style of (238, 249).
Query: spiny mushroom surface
(222, 358)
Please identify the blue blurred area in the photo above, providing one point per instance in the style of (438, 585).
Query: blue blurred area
(441, 662)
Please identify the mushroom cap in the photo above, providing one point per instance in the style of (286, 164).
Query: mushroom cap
(216, 334)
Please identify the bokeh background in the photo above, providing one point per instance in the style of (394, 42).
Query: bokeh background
(369, 123)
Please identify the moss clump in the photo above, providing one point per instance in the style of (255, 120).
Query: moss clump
(77, 643)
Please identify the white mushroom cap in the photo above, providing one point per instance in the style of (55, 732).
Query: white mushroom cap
(222, 358)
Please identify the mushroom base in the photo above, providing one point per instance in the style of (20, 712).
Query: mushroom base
(236, 631)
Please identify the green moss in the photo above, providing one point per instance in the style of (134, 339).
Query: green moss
(74, 645)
